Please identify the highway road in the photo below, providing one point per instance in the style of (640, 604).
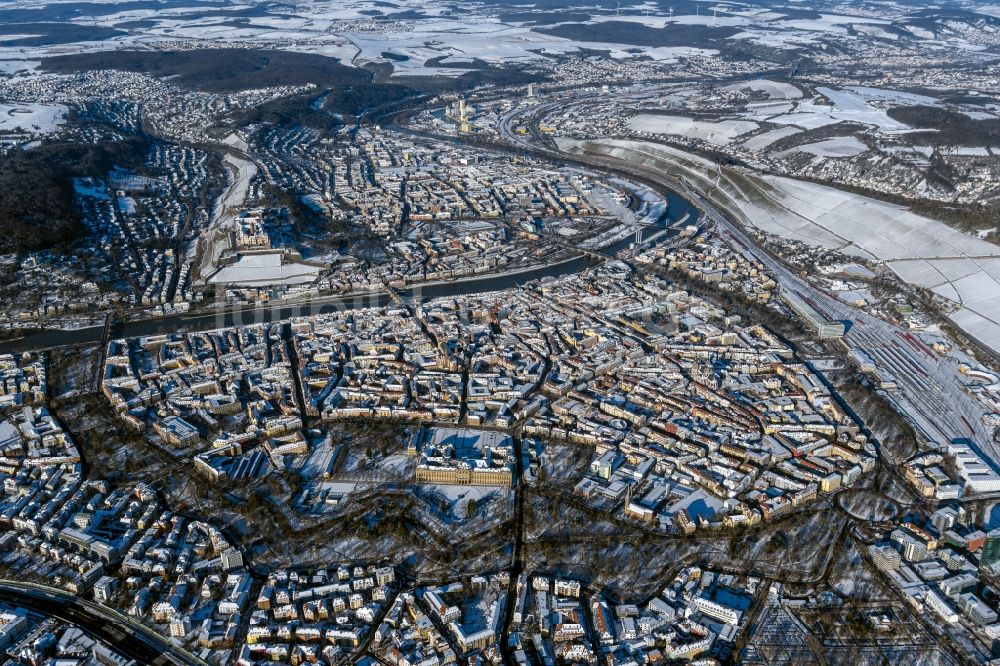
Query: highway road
(517, 557)
(127, 637)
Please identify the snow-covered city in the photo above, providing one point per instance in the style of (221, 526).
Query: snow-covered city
(416, 333)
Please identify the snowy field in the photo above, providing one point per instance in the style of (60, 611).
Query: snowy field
(487, 40)
(831, 106)
(773, 89)
(974, 282)
(347, 30)
(765, 110)
(87, 187)
(876, 31)
(264, 270)
(894, 96)
(717, 133)
(854, 224)
(31, 118)
(765, 139)
(850, 106)
(837, 146)
(923, 252)
(13, 66)
(359, 31)
(836, 106)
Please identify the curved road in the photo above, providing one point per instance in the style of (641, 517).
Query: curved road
(133, 640)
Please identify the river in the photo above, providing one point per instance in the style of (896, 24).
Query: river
(677, 210)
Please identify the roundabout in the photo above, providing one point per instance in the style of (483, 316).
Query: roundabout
(867, 505)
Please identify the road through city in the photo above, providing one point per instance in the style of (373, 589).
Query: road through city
(133, 640)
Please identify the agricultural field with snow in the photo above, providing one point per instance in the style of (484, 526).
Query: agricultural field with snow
(829, 107)
(417, 38)
(718, 133)
(838, 146)
(773, 89)
(31, 118)
(765, 139)
(415, 33)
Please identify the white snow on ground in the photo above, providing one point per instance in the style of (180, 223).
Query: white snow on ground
(875, 31)
(848, 105)
(234, 195)
(32, 118)
(687, 19)
(316, 27)
(921, 33)
(829, 23)
(478, 36)
(854, 270)
(234, 140)
(209, 31)
(777, 39)
(765, 110)
(342, 49)
(85, 187)
(969, 151)
(888, 95)
(774, 89)
(239, 173)
(844, 100)
(807, 120)
(837, 146)
(698, 504)
(788, 34)
(15, 37)
(921, 251)
(456, 493)
(987, 8)
(983, 328)
(978, 115)
(923, 151)
(973, 282)
(718, 133)
(12, 66)
(866, 227)
(765, 139)
(488, 40)
(265, 269)
(282, 23)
